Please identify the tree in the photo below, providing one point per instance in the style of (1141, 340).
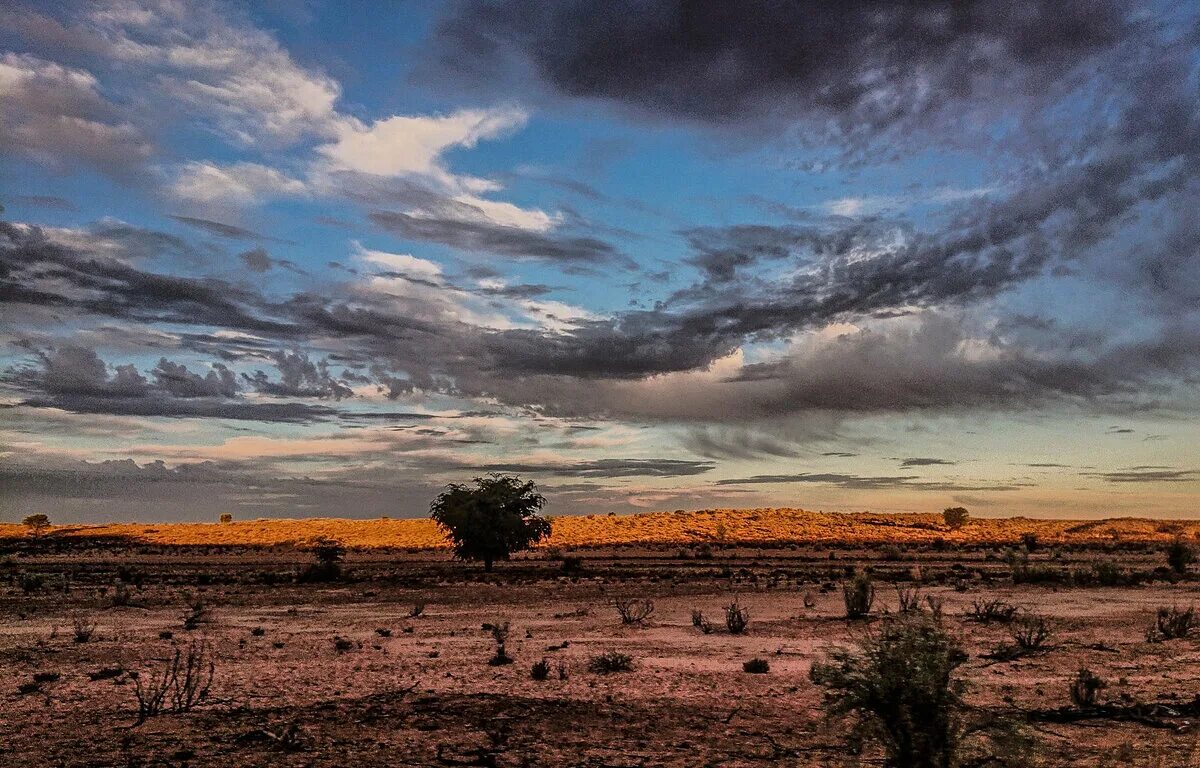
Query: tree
(37, 524)
(226, 518)
(955, 517)
(493, 519)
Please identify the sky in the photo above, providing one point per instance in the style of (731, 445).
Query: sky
(284, 259)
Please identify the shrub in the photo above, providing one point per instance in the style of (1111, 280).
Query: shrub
(1172, 623)
(757, 666)
(540, 669)
(121, 596)
(1180, 555)
(899, 685)
(197, 612)
(955, 517)
(610, 661)
(633, 610)
(858, 595)
(226, 518)
(988, 611)
(1085, 688)
(737, 618)
(82, 627)
(909, 599)
(383, 632)
(328, 566)
(32, 582)
(499, 630)
(179, 686)
(342, 644)
(701, 623)
(1030, 542)
(1030, 632)
(416, 610)
(258, 632)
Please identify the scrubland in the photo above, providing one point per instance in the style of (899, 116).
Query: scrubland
(667, 639)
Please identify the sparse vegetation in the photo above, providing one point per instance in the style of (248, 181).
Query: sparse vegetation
(1086, 687)
(858, 594)
(1180, 555)
(700, 622)
(180, 685)
(500, 630)
(328, 554)
(1171, 623)
(989, 611)
(540, 669)
(756, 666)
(609, 662)
(737, 618)
(633, 610)
(82, 627)
(899, 686)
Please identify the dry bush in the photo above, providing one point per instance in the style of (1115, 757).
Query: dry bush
(1171, 623)
(540, 669)
(737, 618)
(1030, 632)
(83, 627)
(909, 599)
(988, 611)
(858, 595)
(499, 630)
(701, 623)
(180, 685)
(610, 661)
(1180, 555)
(634, 610)
(1086, 687)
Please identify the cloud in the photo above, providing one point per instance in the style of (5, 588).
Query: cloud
(57, 116)
(867, 482)
(299, 377)
(238, 184)
(258, 260)
(606, 468)
(1147, 475)
(221, 229)
(925, 462)
(865, 69)
(414, 145)
(482, 237)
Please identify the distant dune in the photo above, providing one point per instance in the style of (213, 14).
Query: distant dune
(734, 526)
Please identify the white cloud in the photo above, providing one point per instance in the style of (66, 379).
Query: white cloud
(413, 145)
(236, 183)
(401, 263)
(234, 75)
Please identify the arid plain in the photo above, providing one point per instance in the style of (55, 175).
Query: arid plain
(389, 661)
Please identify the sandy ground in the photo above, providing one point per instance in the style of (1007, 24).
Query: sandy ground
(425, 695)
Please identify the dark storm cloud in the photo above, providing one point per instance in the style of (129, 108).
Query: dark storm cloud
(487, 237)
(299, 377)
(76, 379)
(868, 68)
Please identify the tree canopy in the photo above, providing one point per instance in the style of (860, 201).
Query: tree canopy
(491, 519)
